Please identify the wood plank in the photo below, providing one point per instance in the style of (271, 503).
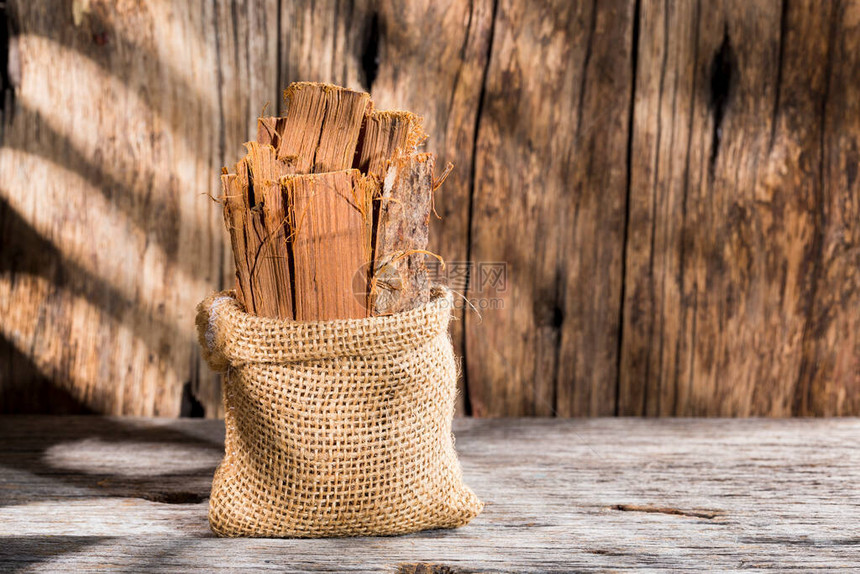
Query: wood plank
(562, 495)
(829, 381)
(726, 228)
(122, 117)
(557, 224)
(328, 215)
(399, 280)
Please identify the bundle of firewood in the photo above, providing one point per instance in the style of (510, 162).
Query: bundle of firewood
(328, 213)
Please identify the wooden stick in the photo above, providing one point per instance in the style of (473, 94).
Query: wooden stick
(399, 280)
(321, 127)
(330, 244)
(235, 218)
(269, 131)
(387, 135)
(272, 264)
(244, 221)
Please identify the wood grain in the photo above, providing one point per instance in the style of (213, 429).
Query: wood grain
(121, 118)
(829, 381)
(328, 215)
(399, 279)
(731, 288)
(81, 493)
(734, 250)
(321, 127)
(550, 204)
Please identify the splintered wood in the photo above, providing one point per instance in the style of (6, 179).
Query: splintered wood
(328, 213)
(399, 281)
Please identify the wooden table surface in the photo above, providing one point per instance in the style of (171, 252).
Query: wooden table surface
(92, 493)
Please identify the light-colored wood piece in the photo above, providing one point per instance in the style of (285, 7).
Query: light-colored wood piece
(682, 495)
(246, 224)
(236, 219)
(330, 243)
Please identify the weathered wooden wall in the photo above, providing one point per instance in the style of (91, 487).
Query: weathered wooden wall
(672, 185)
(742, 286)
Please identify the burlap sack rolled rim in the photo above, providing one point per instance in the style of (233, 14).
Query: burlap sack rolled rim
(252, 339)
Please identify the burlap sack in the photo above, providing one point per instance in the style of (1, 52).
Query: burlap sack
(335, 428)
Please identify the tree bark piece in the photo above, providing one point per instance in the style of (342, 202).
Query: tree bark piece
(330, 243)
(399, 281)
(321, 127)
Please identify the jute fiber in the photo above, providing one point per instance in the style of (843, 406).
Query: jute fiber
(335, 428)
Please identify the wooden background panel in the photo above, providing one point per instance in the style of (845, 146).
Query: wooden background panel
(672, 187)
(242, 40)
(726, 198)
(550, 188)
(829, 382)
(116, 134)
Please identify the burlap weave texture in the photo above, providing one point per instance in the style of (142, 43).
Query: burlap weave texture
(335, 428)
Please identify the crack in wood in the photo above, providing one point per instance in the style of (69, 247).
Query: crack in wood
(174, 497)
(634, 63)
(722, 76)
(473, 169)
(428, 568)
(370, 52)
(707, 514)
